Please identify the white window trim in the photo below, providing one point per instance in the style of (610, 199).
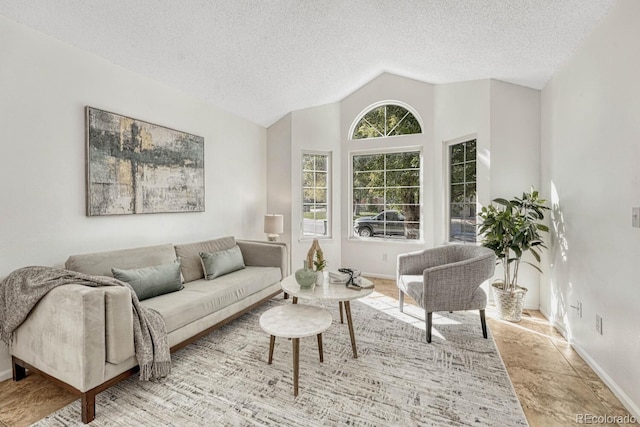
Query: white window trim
(329, 196)
(447, 185)
(351, 236)
(364, 112)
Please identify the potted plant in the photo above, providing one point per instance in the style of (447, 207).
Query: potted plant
(511, 229)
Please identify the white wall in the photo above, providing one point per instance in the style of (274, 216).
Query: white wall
(461, 110)
(515, 160)
(279, 175)
(378, 258)
(45, 86)
(316, 128)
(591, 151)
(505, 120)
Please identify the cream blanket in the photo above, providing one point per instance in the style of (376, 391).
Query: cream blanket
(21, 290)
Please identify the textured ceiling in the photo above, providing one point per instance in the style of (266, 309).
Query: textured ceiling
(261, 59)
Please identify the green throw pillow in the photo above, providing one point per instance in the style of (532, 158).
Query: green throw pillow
(219, 263)
(149, 282)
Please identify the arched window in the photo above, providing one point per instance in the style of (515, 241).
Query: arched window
(386, 185)
(386, 120)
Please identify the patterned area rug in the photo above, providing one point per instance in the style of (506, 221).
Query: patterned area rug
(398, 379)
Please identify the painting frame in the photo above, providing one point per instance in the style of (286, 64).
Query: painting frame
(138, 167)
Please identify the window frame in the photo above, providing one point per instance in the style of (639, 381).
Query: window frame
(329, 220)
(378, 104)
(447, 180)
(390, 150)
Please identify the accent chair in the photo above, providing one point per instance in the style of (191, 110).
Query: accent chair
(446, 278)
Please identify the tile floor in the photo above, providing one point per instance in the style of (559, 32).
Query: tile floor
(551, 380)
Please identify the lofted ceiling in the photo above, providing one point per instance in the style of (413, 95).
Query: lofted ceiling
(261, 59)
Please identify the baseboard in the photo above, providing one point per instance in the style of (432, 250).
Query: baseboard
(621, 395)
(379, 276)
(555, 324)
(5, 375)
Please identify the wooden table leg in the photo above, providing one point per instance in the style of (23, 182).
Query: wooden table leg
(320, 351)
(294, 300)
(272, 342)
(296, 364)
(340, 306)
(347, 309)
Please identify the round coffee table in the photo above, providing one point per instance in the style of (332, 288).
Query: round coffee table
(330, 292)
(295, 322)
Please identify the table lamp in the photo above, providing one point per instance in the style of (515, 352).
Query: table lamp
(273, 226)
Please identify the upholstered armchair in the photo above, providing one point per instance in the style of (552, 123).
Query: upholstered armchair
(446, 278)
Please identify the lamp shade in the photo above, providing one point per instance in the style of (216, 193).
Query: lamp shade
(273, 224)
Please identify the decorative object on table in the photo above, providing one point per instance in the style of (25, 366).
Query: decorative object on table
(306, 277)
(510, 230)
(136, 167)
(273, 226)
(315, 257)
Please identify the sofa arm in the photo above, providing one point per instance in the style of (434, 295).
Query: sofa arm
(64, 336)
(118, 324)
(265, 254)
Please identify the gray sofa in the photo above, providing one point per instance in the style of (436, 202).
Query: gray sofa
(82, 337)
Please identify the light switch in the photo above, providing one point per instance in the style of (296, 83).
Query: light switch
(635, 217)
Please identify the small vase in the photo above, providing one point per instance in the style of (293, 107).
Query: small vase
(319, 278)
(306, 277)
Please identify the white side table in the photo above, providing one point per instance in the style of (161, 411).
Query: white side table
(330, 292)
(295, 322)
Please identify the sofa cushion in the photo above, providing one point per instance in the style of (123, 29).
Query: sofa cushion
(189, 255)
(101, 263)
(203, 297)
(148, 282)
(222, 262)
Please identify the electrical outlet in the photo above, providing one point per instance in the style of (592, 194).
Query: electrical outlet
(384, 257)
(635, 217)
(599, 324)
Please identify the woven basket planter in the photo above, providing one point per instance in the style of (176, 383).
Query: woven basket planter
(509, 303)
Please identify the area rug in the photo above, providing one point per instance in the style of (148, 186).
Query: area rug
(398, 379)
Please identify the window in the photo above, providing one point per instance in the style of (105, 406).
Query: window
(386, 195)
(315, 195)
(462, 186)
(386, 120)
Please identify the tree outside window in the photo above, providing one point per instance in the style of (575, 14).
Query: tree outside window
(386, 120)
(462, 194)
(386, 195)
(315, 195)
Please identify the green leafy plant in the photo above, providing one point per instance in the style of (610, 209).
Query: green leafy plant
(320, 263)
(315, 256)
(511, 229)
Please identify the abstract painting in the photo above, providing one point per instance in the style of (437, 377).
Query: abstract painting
(135, 167)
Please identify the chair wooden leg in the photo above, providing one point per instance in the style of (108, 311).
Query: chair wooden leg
(428, 317)
(483, 321)
(401, 300)
(340, 307)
